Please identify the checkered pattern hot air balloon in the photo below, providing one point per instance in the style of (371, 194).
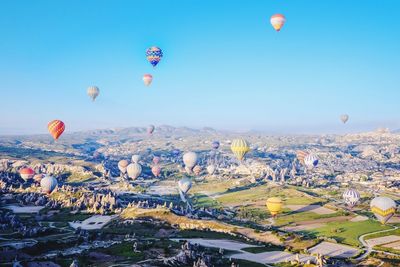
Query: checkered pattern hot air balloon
(154, 55)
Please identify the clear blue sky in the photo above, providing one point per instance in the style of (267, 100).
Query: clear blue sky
(224, 66)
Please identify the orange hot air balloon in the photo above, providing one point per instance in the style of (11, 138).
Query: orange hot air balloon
(277, 21)
(56, 128)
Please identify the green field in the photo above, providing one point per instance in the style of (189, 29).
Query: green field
(348, 232)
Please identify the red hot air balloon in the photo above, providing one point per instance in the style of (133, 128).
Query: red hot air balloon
(56, 128)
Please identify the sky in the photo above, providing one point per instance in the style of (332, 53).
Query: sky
(224, 66)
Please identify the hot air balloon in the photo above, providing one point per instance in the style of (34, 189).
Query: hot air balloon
(310, 161)
(135, 158)
(134, 170)
(197, 170)
(93, 92)
(56, 128)
(27, 173)
(215, 144)
(190, 160)
(48, 184)
(274, 205)
(156, 160)
(176, 152)
(150, 129)
(154, 55)
(211, 169)
(240, 147)
(277, 21)
(156, 170)
(344, 118)
(147, 79)
(383, 208)
(351, 197)
(184, 185)
(300, 155)
(122, 164)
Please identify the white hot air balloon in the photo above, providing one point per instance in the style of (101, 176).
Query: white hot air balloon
(147, 79)
(93, 92)
(383, 208)
(134, 170)
(190, 160)
(136, 158)
(48, 184)
(184, 185)
(344, 118)
(122, 164)
(211, 169)
(351, 197)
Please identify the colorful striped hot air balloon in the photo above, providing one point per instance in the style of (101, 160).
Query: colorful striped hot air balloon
(383, 208)
(147, 79)
(274, 205)
(277, 21)
(351, 197)
(154, 55)
(26, 173)
(240, 147)
(56, 128)
(93, 92)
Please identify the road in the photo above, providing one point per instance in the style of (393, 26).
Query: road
(369, 248)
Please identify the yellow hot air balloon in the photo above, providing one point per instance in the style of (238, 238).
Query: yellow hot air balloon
(274, 205)
(240, 147)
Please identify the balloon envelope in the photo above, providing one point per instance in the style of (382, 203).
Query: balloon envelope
(156, 170)
(240, 147)
(197, 170)
(311, 161)
(147, 79)
(344, 118)
(190, 159)
(134, 170)
(56, 128)
(122, 164)
(48, 184)
(136, 158)
(154, 55)
(351, 197)
(211, 169)
(184, 185)
(277, 21)
(93, 92)
(156, 160)
(215, 144)
(26, 173)
(383, 208)
(274, 205)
